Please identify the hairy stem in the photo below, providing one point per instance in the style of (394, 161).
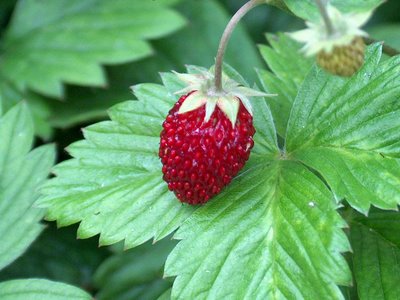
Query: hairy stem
(324, 13)
(385, 48)
(225, 39)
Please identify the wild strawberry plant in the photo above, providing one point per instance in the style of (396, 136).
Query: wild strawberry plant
(309, 212)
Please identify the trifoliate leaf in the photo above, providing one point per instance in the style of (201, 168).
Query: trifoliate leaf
(307, 9)
(348, 130)
(40, 289)
(114, 184)
(22, 173)
(50, 42)
(273, 234)
(376, 259)
(289, 68)
(134, 274)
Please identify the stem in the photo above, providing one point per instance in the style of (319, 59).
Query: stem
(225, 39)
(385, 48)
(324, 13)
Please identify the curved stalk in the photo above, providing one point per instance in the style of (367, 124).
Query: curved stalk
(225, 39)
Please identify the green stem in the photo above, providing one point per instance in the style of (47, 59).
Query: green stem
(324, 13)
(225, 39)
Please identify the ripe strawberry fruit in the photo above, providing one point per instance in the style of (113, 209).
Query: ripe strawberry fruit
(199, 158)
(206, 138)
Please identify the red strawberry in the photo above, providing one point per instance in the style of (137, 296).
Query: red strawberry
(199, 158)
(206, 139)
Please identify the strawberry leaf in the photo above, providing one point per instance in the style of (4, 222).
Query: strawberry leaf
(274, 233)
(289, 68)
(40, 289)
(348, 130)
(114, 183)
(22, 172)
(307, 9)
(50, 42)
(376, 259)
(166, 295)
(86, 104)
(10, 96)
(134, 274)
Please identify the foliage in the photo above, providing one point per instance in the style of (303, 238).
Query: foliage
(22, 171)
(135, 274)
(38, 289)
(313, 215)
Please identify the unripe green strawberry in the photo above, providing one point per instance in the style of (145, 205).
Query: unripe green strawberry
(339, 47)
(343, 60)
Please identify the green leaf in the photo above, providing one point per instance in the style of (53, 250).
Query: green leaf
(50, 42)
(289, 68)
(11, 96)
(376, 260)
(134, 274)
(114, 183)
(348, 130)
(274, 233)
(307, 9)
(40, 289)
(59, 256)
(22, 173)
(166, 295)
(196, 44)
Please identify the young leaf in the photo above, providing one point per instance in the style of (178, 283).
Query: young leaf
(114, 183)
(22, 172)
(134, 274)
(307, 9)
(274, 233)
(50, 42)
(40, 289)
(289, 67)
(376, 260)
(348, 130)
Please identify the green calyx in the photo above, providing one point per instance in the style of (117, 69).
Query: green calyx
(228, 99)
